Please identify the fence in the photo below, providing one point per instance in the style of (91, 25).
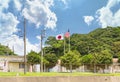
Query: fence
(96, 68)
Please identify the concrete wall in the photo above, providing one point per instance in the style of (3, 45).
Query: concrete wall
(62, 79)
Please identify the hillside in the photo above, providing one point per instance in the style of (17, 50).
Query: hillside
(97, 40)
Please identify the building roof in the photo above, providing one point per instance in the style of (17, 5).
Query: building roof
(12, 58)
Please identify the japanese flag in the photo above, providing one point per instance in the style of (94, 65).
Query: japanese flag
(59, 37)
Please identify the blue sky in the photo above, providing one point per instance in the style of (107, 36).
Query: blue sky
(56, 16)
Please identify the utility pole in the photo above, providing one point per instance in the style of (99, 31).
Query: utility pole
(13, 49)
(24, 46)
(42, 36)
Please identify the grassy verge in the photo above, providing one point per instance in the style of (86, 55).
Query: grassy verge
(3, 74)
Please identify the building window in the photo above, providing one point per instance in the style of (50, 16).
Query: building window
(21, 65)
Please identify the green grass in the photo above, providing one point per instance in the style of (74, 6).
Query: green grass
(7, 74)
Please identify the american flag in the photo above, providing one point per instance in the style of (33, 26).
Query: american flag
(67, 34)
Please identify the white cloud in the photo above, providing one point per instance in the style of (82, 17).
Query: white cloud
(65, 2)
(48, 3)
(4, 4)
(34, 47)
(8, 21)
(39, 13)
(88, 19)
(35, 11)
(18, 4)
(8, 38)
(106, 17)
(8, 28)
(38, 37)
(18, 44)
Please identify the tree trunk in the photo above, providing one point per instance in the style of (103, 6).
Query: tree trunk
(94, 68)
(70, 67)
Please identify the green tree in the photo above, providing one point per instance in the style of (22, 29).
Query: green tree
(71, 60)
(4, 50)
(95, 43)
(52, 60)
(87, 59)
(101, 60)
(33, 58)
(118, 58)
(54, 46)
(116, 48)
(105, 57)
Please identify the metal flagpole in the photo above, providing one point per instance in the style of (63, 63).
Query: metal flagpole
(69, 38)
(69, 43)
(67, 35)
(64, 45)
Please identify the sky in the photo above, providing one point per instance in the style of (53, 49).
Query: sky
(55, 16)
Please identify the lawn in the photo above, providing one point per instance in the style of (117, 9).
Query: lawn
(6, 74)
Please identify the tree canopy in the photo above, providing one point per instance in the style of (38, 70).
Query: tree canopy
(71, 60)
(33, 58)
(97, 42)
(5, 50)
(52, 60)
(96, 47)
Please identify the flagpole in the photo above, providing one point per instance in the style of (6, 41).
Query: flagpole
(64, 45)
(69, 39)
(67, 35)
(69, 43)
